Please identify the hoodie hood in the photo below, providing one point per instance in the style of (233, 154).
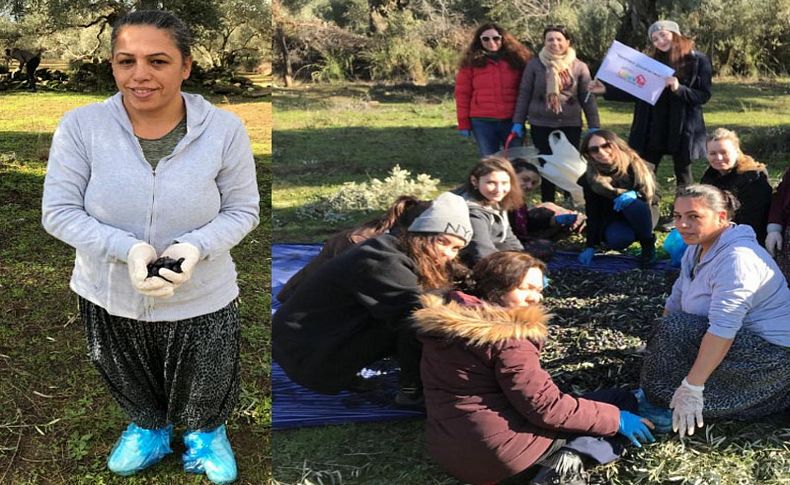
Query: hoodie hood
(199, 114)
(483, 324)
(732, 236)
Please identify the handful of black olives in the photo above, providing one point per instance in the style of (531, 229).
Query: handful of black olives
(167, 263)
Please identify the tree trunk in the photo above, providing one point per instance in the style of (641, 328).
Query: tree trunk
(287, 69)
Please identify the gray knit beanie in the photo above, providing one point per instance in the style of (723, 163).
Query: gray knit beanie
(448, 214)
(663, 25)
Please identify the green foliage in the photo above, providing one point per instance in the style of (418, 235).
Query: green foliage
(368, 196)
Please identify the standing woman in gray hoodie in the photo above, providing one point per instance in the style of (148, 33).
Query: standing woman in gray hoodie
(153, 173)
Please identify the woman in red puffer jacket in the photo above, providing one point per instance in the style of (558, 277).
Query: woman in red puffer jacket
(486, 86)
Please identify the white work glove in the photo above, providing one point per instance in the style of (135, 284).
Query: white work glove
(773, 240)
(687, 404)
(191, 256)
(137, 260)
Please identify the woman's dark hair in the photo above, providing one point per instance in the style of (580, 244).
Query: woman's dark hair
(714, 198)
(558, 28)
(512, 50)
(513, 200)
(522, 165)
(498, 273)
(160, 19)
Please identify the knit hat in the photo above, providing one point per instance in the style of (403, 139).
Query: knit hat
(663, 25)
(448, 214)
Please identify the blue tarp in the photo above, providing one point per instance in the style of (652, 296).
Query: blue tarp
(294, 406)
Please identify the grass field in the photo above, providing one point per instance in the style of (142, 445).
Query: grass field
(57, 421)
(327, 135)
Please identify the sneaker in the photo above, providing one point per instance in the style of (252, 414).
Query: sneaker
(410, 397)
(660, 417)
(138, 448)
(564, 467)
(209, 452)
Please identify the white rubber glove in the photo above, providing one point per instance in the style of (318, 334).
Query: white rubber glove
(191, 256)
(687, 404)
(137, 260)
(773, 240)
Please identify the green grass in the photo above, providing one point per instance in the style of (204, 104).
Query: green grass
(57, 421)
(326, 135)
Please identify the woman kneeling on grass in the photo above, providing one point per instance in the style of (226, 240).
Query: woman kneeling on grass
(493, 412)
(620, 197)
(153, 172)
(356, 309)
(726, 324)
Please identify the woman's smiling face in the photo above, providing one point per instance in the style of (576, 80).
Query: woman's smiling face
(148, 69)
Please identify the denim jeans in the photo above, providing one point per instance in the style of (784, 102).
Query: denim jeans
(490, 135)
(633, 223)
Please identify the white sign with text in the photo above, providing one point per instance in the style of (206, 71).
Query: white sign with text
(634, 72)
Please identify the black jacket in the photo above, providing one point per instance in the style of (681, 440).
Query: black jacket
(686, 132)
(348, 314)
(600, 209)
(753, 191)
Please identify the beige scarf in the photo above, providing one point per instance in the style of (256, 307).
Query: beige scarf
(558, 76)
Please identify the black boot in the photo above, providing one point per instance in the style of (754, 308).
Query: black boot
(647, 257)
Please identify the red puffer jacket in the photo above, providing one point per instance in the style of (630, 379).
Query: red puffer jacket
(486, 92)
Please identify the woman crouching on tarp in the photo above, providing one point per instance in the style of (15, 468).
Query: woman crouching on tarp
(493, 411)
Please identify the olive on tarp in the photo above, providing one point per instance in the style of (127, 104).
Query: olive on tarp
(166, 263)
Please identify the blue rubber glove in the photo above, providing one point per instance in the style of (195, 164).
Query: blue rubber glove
(633, 428)
(209, 452)
(586, 256)
(624, 200)
(565, 219)
(465, 133)
(518, 129)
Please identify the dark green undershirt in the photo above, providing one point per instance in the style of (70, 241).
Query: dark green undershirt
(155, 150)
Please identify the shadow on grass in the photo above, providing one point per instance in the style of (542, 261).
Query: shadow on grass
(22, 145)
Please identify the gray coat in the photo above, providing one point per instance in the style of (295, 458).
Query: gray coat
(531, 104)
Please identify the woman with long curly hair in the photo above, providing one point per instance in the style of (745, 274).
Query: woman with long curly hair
(674, 125)
(620, 197)
(486, 86)
(356, 308)
(740, 174)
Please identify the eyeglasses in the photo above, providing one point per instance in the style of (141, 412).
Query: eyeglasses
(597, 148)
(495, 38)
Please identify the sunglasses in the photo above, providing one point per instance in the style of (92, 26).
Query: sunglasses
(597, 148)
(495, 38)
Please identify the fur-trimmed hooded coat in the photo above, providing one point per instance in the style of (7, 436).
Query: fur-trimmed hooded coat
(492, 410)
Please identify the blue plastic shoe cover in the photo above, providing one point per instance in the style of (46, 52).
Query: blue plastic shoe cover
(138, 448)
(675, 246)
(660, 417)
(209, 452)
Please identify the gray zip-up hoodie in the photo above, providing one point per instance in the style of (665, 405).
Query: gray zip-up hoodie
(736, 285)
(101, 196)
